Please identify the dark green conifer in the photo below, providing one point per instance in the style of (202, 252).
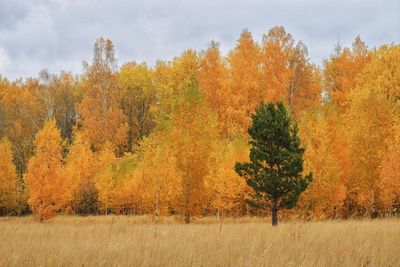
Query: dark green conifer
(276, 165)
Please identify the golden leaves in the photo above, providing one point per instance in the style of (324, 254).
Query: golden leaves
(8, 178)
(44, 178)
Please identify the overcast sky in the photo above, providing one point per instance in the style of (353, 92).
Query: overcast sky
(59, 34)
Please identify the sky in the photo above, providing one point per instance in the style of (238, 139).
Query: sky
(59, 34)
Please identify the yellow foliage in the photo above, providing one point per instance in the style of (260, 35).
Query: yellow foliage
(138, 95)
(163, 140)
(157, 180)
(105, 178)
(324, 197)
(8, 178)
(226, 190)
(369, 119)
(244, 83)
(194, 132)
(389, 185)
(80, 168)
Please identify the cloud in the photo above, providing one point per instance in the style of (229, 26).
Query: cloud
(4, 59)
(59, 34)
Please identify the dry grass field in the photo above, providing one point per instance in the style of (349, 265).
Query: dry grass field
(131, 241)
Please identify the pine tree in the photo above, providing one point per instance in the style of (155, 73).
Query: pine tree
(276, 165)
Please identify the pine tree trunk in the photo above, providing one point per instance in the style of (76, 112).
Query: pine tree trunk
(274, 213)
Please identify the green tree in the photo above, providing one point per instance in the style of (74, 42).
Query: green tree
(276, 165)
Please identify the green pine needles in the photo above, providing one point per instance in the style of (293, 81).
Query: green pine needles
(276, 165)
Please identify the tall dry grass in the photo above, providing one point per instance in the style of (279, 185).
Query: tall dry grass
(130, 241)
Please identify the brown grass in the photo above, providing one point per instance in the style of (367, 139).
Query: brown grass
(130, 241)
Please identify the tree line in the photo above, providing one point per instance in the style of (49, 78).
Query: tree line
(164, 140)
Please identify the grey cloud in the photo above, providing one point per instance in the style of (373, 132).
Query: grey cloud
(11, 12)
(59, 34)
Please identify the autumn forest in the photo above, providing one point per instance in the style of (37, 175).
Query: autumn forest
(163, 140)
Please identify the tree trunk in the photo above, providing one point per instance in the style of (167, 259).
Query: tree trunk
(187, 216)
(274, 213)
(186, 204)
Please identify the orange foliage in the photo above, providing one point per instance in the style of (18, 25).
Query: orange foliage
(44, 178)
(244, 83)
(101, 118)
(287, 73)
(341, 71)
(163, 140)
(212, 76)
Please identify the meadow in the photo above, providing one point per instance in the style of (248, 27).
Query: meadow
(135, 241)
